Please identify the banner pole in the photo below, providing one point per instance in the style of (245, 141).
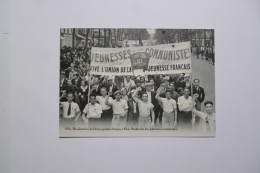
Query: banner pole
(191, 90)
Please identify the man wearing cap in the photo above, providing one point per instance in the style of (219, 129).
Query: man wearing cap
(169, 118)
(71, 111)
(120, 109)
(107, 113)
(93, 111)
(145, 110)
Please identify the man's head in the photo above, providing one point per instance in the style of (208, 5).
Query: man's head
(128, 78)
(138, 83)
(83, 83)
(95, 81)
(69, 82)
(208, 106)
(144, 97)
(103, 91)
(92, 99)
(196, 82)
(171, 87)
(152, 81)
(148, 87)
(186, 92)
(117, 95)
(168, 94)
(124, 91)
(110, 80)
(70, 97)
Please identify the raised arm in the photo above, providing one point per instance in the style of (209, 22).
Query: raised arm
(107, 97)
(134, 95)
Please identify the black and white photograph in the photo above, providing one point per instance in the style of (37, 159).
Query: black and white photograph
(137, 82)
(129, 86)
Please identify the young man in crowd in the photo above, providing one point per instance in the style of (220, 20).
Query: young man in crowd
(93, 110)
(132, 111)
(185, 111)
(145, 110)
(151, 99)
(169, 118)
(198, 89)
(95, 87)
(208, 118)
(107, 113)
(71, 111)
(174, 94)
(120, 109)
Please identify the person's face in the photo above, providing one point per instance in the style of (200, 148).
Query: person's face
(92, 100)
(103, 92)
(168, 95)
(124, 92)
(145, 97)
(148, 88)
(70, 97)
(186, 92)
(110, 82)
(118, 97)
(196, 82)
(69, 83)
(138, 84)
(95, 81)
(209, 108)
(83, 83)
(128, 78)
(171, 87)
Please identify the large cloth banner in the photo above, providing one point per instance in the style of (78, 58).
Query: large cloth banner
(158, 59)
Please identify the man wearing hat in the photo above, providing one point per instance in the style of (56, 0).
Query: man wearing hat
(120, 109)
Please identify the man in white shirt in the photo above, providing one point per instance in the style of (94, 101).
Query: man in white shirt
(107, 113)
(208, 118)
(120, 109)
(71, 111)
(93, 111)
(145, 110)
(185, 112)
(169, 118)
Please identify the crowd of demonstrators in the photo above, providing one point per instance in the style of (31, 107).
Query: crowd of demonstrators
(160, 101)
(208, 54)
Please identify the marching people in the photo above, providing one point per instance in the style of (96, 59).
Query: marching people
(120, 110)
(71, 111)
(146, 113)
(92, 113)
(169, 118)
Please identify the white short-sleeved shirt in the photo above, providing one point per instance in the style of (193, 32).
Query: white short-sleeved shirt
(169, 105)
(93, 111)
(74, 109)
(119, 107)
(185, 103)
(101, 101)
(144, 108)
